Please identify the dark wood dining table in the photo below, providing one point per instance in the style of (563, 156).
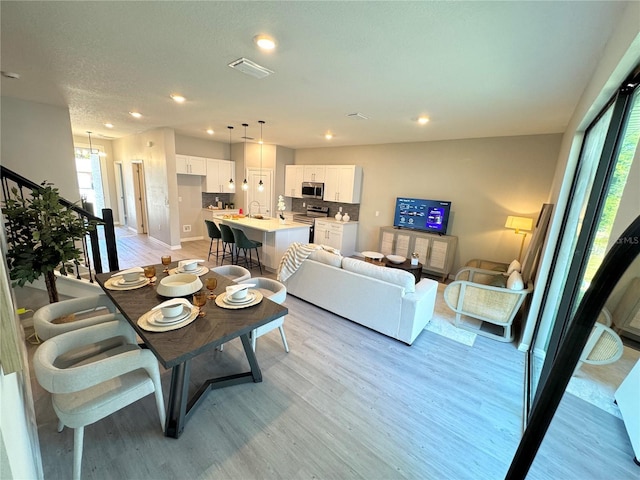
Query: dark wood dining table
(175, 349)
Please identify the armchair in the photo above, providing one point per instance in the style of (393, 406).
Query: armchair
(115, 374)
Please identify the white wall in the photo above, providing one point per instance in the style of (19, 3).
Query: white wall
(486, 179)
(37, 143)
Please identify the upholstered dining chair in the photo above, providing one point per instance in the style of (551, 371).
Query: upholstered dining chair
(243, 243)
(115, 373)
(228, 243)
(233, 272)
(68, 315)
(214, 234)
(276, 292)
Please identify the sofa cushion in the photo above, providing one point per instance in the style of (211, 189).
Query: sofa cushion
(324, 256)
(394, 276)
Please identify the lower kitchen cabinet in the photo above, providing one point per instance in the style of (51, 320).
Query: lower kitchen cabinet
(339, 235)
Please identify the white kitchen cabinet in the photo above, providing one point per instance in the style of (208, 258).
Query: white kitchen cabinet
(340, 235)
(293, 178)
(189, 165)
(436, 251)
(218, 174)
(343, 183)
(313, 173)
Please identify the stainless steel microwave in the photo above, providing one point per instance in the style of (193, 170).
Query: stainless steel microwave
(313, 190)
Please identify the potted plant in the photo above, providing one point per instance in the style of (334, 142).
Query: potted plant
(42, 234)
(281, 208)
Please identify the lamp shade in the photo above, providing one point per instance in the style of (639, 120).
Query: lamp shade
(519, 223)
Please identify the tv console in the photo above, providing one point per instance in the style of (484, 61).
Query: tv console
(436, 250)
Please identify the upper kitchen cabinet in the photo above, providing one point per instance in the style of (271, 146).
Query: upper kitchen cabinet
(188, 165)
(218, 174)
(343, 183)
(314, 173)
(293, 178)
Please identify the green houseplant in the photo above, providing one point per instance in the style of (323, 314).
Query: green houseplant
(42, 234)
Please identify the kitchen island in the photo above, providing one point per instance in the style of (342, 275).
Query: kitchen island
(275, 236)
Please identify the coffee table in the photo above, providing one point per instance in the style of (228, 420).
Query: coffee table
(174, 349)
(406, 265)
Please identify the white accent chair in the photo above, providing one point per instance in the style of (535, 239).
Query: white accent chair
(89, 310)
(93, 372)
(603, 346)
(276, 292)
(233, 272)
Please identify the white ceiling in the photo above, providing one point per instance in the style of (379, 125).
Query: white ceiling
(477, 69)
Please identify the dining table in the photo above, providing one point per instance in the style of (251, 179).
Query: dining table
(176, 348)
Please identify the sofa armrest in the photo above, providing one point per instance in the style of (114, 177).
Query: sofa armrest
(417, 310)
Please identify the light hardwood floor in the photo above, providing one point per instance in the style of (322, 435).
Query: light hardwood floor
(345, 403)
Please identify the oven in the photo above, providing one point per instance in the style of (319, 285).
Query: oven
(310, 216)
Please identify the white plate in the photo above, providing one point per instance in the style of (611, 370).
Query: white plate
(233, 306)
(198, 271)
(111, 284)
(121, 282)
(143, 322)
(156, 318)
(248, 299)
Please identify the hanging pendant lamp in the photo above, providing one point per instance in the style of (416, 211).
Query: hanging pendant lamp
(245, 184)
(231, 184)
(260, 184)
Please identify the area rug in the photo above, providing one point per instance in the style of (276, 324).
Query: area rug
(442, 322)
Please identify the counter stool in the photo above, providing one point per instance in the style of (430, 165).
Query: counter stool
(244, 244)
(276, 292)
(214, 234)
(228, 241)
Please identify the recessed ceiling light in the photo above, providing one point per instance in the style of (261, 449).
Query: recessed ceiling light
(135, 114)
(108, 125)
(423, 120)
(265, 42)
(177, 98)
(210, 131)
(328, 135)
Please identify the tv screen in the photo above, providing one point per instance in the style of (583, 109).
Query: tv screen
(424, 215)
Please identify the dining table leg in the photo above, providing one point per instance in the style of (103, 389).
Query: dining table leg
(178, 398)
(251, 357)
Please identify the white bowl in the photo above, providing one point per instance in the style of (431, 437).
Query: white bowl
(239, 294)
(179, 285)
(172, 310)
(190, 267)
(131, 276)
(396, 258)
(373, 255)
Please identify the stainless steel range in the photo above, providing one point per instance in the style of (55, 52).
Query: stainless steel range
(309, 218)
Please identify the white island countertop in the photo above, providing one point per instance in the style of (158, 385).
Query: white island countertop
(264, 225)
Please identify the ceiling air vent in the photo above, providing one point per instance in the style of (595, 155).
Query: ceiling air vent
(357, 116)
(250, 68)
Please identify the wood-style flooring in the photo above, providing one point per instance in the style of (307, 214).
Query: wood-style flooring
(345, 403)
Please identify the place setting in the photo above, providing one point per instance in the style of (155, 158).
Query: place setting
(172, 314)
(189, 266)
(129, 279)
(238, 296)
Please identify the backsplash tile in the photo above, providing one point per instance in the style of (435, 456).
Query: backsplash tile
(352, 209)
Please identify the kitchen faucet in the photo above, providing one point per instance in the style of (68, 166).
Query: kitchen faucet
(251, 205)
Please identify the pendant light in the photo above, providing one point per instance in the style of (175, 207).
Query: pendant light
(260, 184)
(231, 184)
(245, 184)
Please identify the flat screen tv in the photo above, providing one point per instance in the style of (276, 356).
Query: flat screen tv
(424, 215)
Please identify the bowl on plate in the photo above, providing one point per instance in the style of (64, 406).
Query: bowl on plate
(237, 294)
(179, 285)
(397, 259)
(190, 267)
(131, 277)
(172, 310)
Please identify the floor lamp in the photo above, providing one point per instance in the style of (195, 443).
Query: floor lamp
(517, 224)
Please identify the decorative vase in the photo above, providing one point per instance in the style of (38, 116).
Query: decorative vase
(281, 220)
(338, 216)
(346, 217)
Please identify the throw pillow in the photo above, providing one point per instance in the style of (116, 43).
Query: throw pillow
(514, 267)
(514, 282)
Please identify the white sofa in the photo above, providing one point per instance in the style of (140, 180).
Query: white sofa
(386, 300)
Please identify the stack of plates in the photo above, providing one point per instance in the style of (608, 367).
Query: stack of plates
(248, 299)
(156, 317)
(121, 282)
(253, 298)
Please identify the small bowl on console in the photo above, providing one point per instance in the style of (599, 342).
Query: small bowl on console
(397, 259)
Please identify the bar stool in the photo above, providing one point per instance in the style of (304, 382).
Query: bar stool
(228, 240)
(214, 234)
(244, 244)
